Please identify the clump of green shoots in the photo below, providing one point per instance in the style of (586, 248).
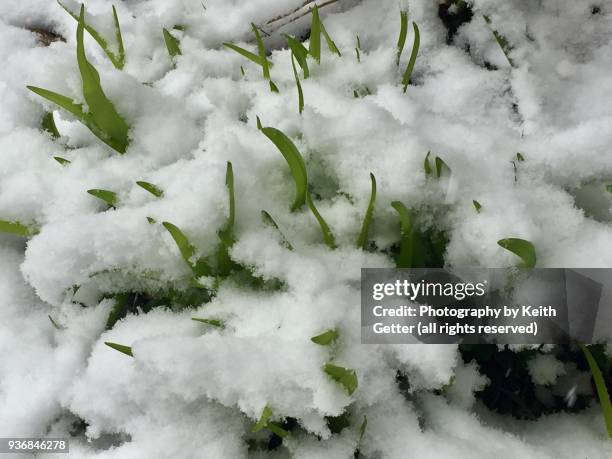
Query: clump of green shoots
(400, 47)
(101, 117)
(298, 169)
(525, 250)
(440, 169)
(260, 58)
(118, 59)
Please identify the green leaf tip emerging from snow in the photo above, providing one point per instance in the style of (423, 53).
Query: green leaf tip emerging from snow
(214, 322)
(600, 385)
(477, 206)
(14, 227)
(188, 252)
(344, 376)
(413, 57)
(109, 197)
(172, 44)
(325, 338)
(525, 250)
(401, 39)
(62, 161)
(265, 423)
(48, 124)
(267, 218)
(363, 235)
(153, 189)
(127, 350)
(316, 30)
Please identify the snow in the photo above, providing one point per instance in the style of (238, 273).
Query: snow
(192, 390)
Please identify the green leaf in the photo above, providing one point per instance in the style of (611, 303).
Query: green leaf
(413, 56)
(600, 385)
(214, 322)
(441, 167)
(65, 102)
(172, 44)
(276, 429)
(127, 350)
(525, 250)
(273, 86)
(330, 43)
(410, 244)
(48, 124)
(609, 188)
(314, 47)
(259, 126)
(294, 160)
(118, 311)
(267, 218)
(14, 227)
(226, 234)
(62, 161)
(477, 206)
(263, 419)
(501, 41)
(299, 86)
(328, 237)
(520, 157)
(249, 55)
(427, 165)
(109, 197)
(401, 40)
(325, 338)
(118, 60)
(110, 127)
(301, 54)
(188, 252)
(265, 64)
(153, 189)
(151, 220)
(363, 235)
(345, 376)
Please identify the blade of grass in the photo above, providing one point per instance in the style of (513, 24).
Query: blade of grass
(401, 40)
(330, 43)
(127, 350)
(62, 161)
(249, 55)
(54, 323)
(118, 311)
(427, 165)
(600, 385)
(325, 338)
(265, 64)
(501, 40)
(441, 167)
(109, 197)
(300, 52)
(299, 86)
(525, 250)
(477, 206)
(328, 237)
(267, 218)
(65, 102)
(408, 237)
(188, 252)
(363, 235)
(14, 227)
(172, 44)
(344, 376)
(119, 38)
(413, 56)
(226, 234)
(276, 429)
(153, 189)
(214, 322)
(48, 124)
(314, 47)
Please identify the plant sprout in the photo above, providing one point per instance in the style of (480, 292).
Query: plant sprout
(525, 250)
(363, 235)
(344, 376)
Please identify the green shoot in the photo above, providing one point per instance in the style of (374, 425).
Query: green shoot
(525, 250)
(316, 29)
(363, 235)
(153, 189)
(109, 197)
(265, 423)
(501, 41)
(413, 56)
(358, 48)
(299, 86)
(17, 228)
(520, 157)
(477, 206)
(259, 126)
(409, 240)
(62, 161)
(401, 40)
(172, 44)
(101, 118)
(441, 167)
(188, 252)
(48, 124)
(362, 429)
(267, 218)
(328, 237)
(226, 234)
(127, 350)
(242, 72)
(325, 338)
(118, 59)
(273, 86)
(151, 220)
(344, 376)
(214, 322)
(427, 165)
(600, 385)
(54, 323)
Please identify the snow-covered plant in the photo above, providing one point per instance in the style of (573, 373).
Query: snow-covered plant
(501, 40)
(172, 44)
(100, 117)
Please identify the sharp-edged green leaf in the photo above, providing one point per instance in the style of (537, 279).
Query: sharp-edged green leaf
(109, 197)
(358, 55)
(109, 125)
(265, 64)
(151, 220)
(242, 72)
(441, 167)
(48, 124)
(362, 429)
(249, 55)
(172, 44)
(214, 322)
(118, 311)
(65, 102)
(267, 218)
(17, 228)
(54, 323)
(127, 350)
(226, 234)
(188, 252)
(299, 86)
(413, 56)
(477, 206)
(401, 40)
(153, 189)
(330, 43)
(314, 47)
(294, 160)
(266, 414)
(62, 161)
(409, 240)
(273, 86)
(328, 237)
(600, 385)
(300, 52)
(259, 126)
(345, 376)
(427, 165)
(276, 429)
(118, 60)
(363, 235)
(525, 250)
(325, 338)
